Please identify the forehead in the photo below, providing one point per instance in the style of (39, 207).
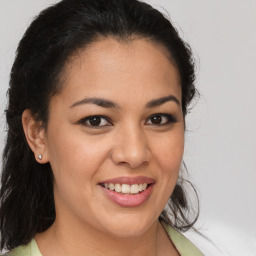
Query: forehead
(113, 68)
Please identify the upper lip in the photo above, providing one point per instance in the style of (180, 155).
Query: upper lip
(129, 180)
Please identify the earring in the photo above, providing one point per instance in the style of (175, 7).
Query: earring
(40, 157)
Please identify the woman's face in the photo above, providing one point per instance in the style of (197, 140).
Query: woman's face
(115, 137)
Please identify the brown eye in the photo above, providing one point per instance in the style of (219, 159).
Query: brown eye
(95, 121)
(156, 120)
(161, 119)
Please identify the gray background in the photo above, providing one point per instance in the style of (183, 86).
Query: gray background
(220, 142)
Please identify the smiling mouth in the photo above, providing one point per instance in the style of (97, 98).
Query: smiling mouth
(126, 189)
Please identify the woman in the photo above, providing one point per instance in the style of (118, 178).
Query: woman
(98, 95)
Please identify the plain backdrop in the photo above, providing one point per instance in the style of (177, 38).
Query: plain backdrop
(220, 147)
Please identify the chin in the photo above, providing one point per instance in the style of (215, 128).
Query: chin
(129, 226)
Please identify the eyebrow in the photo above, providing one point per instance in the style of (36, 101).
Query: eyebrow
(109, 104)
(97, 101)
(160, 101)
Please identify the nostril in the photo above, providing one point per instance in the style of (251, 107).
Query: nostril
(131, 150)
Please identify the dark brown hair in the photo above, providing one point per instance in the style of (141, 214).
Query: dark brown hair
(26, 196)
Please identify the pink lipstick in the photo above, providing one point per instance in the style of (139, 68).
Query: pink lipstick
(128, 191)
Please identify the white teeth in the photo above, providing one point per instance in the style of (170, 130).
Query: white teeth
(134, 189)
(118, 188)
(144, 186)
(126, 188)
(111, 186)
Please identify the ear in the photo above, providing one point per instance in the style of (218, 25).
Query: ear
(36, 136)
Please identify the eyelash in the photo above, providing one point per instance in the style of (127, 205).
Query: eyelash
(87, 119)
(169, 119)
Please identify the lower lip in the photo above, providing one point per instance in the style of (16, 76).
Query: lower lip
(131, 200)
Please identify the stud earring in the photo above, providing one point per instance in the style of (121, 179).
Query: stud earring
(40, 157)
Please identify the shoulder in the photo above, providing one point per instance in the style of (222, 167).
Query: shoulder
(30, 249)
(184, 246)
(19, 251)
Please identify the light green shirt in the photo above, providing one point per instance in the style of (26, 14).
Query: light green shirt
(182, 244)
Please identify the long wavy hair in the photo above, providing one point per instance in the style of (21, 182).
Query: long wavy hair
(26, 195)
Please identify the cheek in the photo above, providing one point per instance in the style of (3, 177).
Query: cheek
(169, 157)
(170, 151)
(75, 159)
(75, 163)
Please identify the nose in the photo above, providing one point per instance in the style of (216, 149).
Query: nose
(131, 148)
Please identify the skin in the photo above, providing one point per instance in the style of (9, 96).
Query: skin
(129, 74)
